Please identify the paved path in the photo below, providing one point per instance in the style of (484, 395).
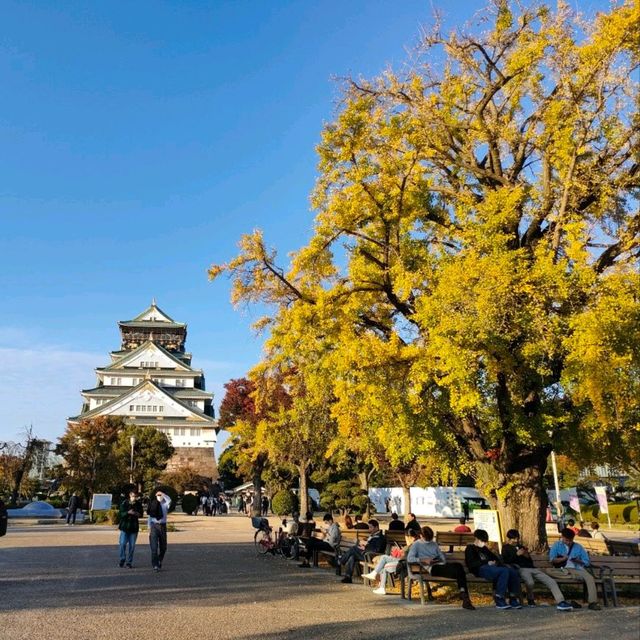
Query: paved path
(60, 582)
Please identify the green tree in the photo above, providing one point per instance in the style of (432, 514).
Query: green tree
(91, 460)
(475, 253)
(228, 474)
(151, 452)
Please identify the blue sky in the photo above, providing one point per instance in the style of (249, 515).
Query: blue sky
(138, 141)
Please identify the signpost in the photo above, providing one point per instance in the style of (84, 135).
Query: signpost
(101, 502)
(489, 520)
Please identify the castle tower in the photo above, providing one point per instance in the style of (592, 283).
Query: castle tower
(150, 382)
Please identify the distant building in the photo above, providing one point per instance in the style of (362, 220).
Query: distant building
(150, 382)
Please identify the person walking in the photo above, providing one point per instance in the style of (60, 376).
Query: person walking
(130, 514)
(158, 510)
(72, 508)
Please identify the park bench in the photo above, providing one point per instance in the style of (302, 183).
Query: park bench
(593, 546)
(452, 539)
(623, 547)
(606, 570)
(348, 538)
(616, 570)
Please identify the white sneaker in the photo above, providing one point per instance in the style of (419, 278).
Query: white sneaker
(380, 591)
(372, 575)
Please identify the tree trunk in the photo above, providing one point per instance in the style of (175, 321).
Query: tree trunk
(521, 501)
(406, 494)
(25, 465)
(304, 493)
(256, 505)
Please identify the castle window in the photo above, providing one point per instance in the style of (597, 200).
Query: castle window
(131, 407)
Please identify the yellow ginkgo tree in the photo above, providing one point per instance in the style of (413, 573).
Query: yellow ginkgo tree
(473, 273)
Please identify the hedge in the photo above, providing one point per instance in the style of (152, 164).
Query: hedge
(626, 513)
(190, 503)
(284, 503)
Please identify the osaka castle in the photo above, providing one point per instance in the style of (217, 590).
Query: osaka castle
(150, 382)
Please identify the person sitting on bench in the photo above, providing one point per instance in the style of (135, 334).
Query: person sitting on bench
(429, 555)
(517, 555)
(570, 559)
(375, 543)
(388, 563)
(330, 542)
(396, 524)
(482, 562)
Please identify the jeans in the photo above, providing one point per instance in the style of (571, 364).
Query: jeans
(130, 540)
(507, 579)
(349, 559)
(71, 516)
(158, 542)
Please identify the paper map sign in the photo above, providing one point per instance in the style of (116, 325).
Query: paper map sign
(101, 502)
(488, 520)
(601, 495)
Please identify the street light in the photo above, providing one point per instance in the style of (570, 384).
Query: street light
(132, 439)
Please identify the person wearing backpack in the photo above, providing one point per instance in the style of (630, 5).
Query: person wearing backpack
(569, 558)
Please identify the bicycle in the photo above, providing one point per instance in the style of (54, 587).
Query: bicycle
(263, 538)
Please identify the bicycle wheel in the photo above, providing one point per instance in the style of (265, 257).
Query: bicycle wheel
(262, 540)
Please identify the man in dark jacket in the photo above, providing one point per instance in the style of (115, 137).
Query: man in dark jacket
(374, 544)
(158, 509)
(413, 524)
(396, 524)
(518, 556)
(130, 513)
(482, 562)
(74, 505)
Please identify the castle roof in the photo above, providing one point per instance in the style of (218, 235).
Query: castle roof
(188, 412)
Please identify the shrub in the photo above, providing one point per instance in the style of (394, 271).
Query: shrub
(284, 503)
(189, 503)
(361, 503)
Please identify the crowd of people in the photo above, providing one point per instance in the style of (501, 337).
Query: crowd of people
(507, 571)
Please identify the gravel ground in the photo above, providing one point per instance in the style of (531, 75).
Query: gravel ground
(63, 582)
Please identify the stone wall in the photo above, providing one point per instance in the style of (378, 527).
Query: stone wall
(201, 459)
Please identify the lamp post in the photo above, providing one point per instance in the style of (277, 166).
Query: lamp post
(132, 439)
(557, 486)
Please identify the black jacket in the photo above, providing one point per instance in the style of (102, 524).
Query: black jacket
(154, 510)
(376, 543)
(396, 525)
(74, 503)
(476, 557)
(510, 556)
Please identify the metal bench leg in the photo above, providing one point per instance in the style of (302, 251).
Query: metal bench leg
(614, 591)
(421, 590)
